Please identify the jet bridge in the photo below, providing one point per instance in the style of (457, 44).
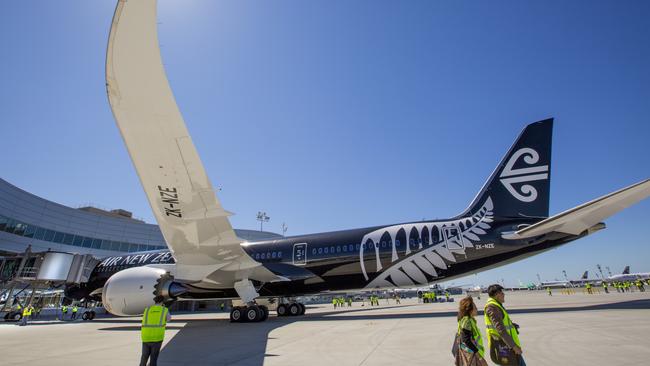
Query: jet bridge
(31, 272)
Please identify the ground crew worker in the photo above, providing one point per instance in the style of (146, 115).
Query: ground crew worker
(74, 312)
(500, 327)
(154, 320)
(640, 285)
(548, 289)
(349, 302)
(589, 289)
(470, 348)
(64, 311)
(605, 287)
(397, 299)
(447, 296)
(27, 312)
(334, 302)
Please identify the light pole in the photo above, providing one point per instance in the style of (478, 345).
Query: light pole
(600, 270)
(284, 229)
(262, 218)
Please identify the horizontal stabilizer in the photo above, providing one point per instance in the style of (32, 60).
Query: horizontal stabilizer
(583, 217)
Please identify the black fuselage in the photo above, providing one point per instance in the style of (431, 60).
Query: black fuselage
(336, 261)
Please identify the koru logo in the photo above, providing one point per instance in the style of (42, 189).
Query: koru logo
(510, 176)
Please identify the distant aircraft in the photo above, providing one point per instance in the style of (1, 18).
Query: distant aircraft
(568, 282)
(507, 221)
(627, 276)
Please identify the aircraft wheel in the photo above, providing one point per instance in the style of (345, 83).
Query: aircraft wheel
(294, 309)
(265, 312)
(282, 310)
(85, 316)
(16, 316)
(302, 308)
(236, 314)
(253, 314)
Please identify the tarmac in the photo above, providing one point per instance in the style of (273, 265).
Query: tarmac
(579, 329)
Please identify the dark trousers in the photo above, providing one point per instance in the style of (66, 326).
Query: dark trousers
(150, 351)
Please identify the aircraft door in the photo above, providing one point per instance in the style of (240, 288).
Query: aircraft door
(453, 238)
(300, 254)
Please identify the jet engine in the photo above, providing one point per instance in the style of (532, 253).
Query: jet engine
(130, 291)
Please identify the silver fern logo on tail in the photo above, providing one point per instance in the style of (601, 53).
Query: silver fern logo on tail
(421, 265)
(511, 176)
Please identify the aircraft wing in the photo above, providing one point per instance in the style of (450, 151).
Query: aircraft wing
(193, 222)
(587, 215)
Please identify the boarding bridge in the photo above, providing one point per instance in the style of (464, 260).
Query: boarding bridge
(32, 272)
(47, 267)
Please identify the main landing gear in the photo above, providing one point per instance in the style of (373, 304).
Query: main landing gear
(251, 313)
(291, 309)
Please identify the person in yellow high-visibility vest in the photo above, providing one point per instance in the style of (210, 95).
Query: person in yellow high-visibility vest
(502, 333)
(27, 313)
(154, 320)
(470, 346)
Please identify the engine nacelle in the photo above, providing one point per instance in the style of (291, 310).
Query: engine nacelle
(130, 291)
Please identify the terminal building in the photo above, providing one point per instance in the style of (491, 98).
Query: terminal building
(28, 220)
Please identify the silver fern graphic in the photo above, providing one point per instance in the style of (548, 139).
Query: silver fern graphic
(422, 263)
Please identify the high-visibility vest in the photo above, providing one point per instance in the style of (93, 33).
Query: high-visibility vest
(492, 331)
(27, 311)
(74, 309)
(476, 333)
(64, 309)
(154, 320)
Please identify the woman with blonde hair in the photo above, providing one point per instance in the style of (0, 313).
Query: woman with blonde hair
(470, 350)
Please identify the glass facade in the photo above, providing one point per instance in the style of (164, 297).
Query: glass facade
(15, 227)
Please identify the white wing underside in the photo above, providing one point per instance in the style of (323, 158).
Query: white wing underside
(583, 217)
(193, 223)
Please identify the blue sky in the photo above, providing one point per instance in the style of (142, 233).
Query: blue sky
(336, 114)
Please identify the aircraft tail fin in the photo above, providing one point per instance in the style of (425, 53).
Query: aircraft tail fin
(626, 270)
(520, 184)
(585, 275)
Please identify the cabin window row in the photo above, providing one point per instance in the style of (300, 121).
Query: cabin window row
(268, 255)
(32, 231)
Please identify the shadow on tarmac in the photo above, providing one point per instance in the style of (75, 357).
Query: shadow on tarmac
(219, 342)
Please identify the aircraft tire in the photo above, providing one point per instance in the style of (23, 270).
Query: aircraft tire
(16, 316)
(302, 308)
(253, 314)
(294, 309)
(265, 312)
(236, 315)
(86, 315)
(282, 310)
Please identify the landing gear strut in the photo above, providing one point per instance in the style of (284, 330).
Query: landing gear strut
(252, 313)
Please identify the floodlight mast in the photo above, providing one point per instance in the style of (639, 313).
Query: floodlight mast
(262, 218)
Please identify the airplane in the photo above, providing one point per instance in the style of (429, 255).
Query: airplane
(507, 221)
(568, 283)
(627, 276)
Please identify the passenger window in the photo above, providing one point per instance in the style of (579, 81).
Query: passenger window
(279, 254)
(326, 250)
(274, 255)
(345, 248)
(338, 249)
(320, 250)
